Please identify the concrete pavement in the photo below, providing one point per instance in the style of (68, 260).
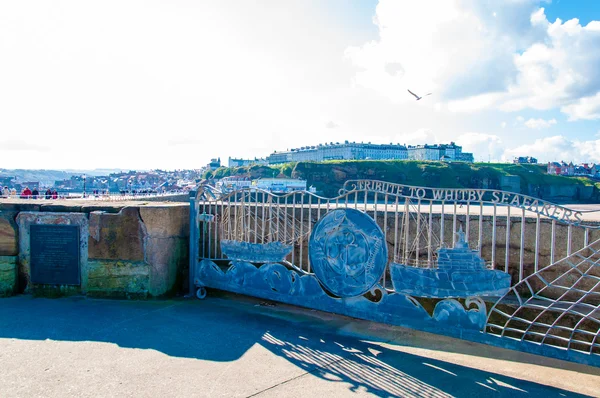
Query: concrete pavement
(230, 345)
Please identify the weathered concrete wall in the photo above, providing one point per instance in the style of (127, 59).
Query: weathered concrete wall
(130, 251)
(8, 275)
(138, 251)
(510, 183)
(8, 253)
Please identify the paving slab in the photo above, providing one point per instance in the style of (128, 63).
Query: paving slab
(230, 345)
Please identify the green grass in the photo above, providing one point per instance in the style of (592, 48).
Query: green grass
(329, 176)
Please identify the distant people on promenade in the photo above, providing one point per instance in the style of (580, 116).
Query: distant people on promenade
(5, 192)
(26, 193)
(29, 194)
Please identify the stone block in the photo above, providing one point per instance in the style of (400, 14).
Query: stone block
(32, 205)
(121, 279)
(167, 258)
(118, 236)
(61, 207)
(8, 234)
(112, 208)
(166, 221)
(8, 275)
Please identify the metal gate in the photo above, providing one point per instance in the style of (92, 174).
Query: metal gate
(484, 265)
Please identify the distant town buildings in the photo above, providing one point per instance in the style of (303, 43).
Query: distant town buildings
(7, 181)
(277, 185)
(440, 152)
(233, 183)
(233, 162)
(31, 184)
(525, 160)
(131, 181)
(280, 184)
(569, 169)
(214, 164)
(361, 151)
(561, 168)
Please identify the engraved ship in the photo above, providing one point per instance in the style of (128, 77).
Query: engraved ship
(460, 272)
(247, 237)
(271, 252)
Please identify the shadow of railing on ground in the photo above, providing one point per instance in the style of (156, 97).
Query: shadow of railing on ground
(225, 330)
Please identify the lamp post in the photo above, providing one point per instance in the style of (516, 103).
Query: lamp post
(84, 177)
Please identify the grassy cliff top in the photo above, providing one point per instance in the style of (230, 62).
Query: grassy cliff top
(329, 176)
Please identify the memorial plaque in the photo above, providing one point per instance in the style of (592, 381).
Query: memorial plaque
(54, 254)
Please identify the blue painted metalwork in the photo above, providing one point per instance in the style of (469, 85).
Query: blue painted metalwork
(255, 242)
(489, 196)
(271, 252)
(460, 272)
(275, 281)
(348, 252)
(193, 240)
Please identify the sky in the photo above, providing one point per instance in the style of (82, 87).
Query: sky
(171, 84)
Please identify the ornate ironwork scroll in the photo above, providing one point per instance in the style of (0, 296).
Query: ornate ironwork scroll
(489, 266)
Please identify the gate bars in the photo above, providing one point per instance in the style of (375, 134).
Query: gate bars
(551, 252)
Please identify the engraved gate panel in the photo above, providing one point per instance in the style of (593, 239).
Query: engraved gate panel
(489, 266)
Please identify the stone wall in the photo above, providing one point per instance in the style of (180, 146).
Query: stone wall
(142, 250)
(8, 253)
(8, 275)
(130, 250)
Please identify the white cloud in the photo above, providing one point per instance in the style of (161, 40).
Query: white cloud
(585, 108)
(476, 55)
(483, 146)
(474, 103)
(539, 124)
(557, 148)
(170, 84)
(173, 84)
(18, 145)
(331, 125)
(503, 124)
(419, 137)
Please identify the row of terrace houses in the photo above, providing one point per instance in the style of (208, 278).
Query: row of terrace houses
(361, 151)
(233, 162)
(569, 169)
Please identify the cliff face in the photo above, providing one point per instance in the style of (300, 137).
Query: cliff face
(532, 180)
(329, 177)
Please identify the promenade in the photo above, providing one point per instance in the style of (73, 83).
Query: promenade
(230, 345)
(590, 212)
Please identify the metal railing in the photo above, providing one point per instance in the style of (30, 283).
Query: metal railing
(519, 240)
(551, 252)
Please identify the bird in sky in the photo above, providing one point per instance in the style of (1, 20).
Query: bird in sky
(417, 97)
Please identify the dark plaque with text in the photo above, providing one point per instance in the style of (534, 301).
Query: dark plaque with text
(54, 254)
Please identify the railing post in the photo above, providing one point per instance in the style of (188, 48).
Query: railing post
(193, 241)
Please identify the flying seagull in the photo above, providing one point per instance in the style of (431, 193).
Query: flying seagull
(417, 97)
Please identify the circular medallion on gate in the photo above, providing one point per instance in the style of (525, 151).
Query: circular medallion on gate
(348, 252)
